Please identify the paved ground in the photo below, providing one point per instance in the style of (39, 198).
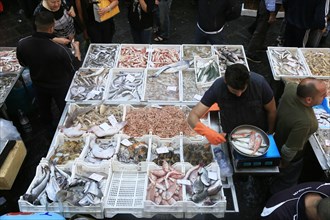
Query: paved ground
(251, 193)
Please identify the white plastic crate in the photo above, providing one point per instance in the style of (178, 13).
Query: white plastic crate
(26, 206)
(129, 146)
(219, 206)
(87, 85)
(74, 148)
(126, 190)
(8, 61)
(189, 51)
(161, 149)
(86, 170)
(199, 64)
(101, 56)
(176, 209)
(194, 157)
(165, 88)
(317, 62)
(93, 114)
(136, 56)
(226, 58)
(165, 54)
(120, 94)
(191, 94)
(101, 156)
(276, 65)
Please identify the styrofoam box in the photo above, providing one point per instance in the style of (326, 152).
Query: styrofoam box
(126, 190)
(186, 141)
(123, 138)
(200, 61)
(194, 94)
(138, 47)
(164, 47)
(92, 107)
(97, 57)
(174, 144)
(201, 48)
(60, 140)
(276, 73)
(126, 99)
(96, 84)
(230, 47)
(25, 206)
(253, 13)
(303, 51)
(169, 85)
(88, 148)
(86, 170)
(151, 209)
(217, 209)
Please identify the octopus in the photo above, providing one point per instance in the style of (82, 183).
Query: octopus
(197, 153)
(134, 153)
(68, 151)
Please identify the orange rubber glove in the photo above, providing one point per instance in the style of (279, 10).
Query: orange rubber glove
(212, 136)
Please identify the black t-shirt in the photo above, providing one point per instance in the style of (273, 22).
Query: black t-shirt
(246, 109)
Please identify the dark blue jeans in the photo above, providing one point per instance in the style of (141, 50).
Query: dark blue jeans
(142, 36)
(164, 17)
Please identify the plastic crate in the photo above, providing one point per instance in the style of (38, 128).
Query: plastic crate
(25, 206)
(194, 157)
(219, 206)
(225, 59)
(176, 209)
(199, 64)
(86, 170)
(121, 153)
(189, 51)
(126, 190)
(160, 148)
(7, 82)
(101, 111)
(276, 64)
(113, 95)
(60, 140)
(92, 89)
(191, 94)
(87, 155)
(320, 67)
(136, 56)
(101, 56)
(166, 88)
(8, 58)
(162, 52)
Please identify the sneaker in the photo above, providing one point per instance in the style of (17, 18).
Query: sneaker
(253, 58)
(159, 39)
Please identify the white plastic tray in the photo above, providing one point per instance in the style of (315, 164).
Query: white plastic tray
(126, 190)
(198, 63)
(101, 55)
(275, 64)
(321, 57)
(136, 56)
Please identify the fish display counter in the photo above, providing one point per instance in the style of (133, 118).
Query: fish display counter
(123, 144)
(295, 64)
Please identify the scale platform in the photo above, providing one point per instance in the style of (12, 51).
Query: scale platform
(270, 159)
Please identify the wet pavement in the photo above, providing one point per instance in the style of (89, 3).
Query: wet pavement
(251, 192)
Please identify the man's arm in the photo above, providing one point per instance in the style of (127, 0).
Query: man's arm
(196, 113)
(271, 115)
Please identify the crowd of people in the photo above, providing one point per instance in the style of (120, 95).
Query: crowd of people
(243, 97)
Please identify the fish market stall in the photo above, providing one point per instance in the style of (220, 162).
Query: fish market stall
(123, 144)
(293, 65)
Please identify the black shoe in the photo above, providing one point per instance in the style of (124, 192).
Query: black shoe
(253, 58)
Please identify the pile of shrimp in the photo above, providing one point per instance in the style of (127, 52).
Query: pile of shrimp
(166, 122)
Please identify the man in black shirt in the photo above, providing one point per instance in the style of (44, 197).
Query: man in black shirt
(51, 65)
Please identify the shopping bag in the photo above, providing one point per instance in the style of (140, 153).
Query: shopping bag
(106, 16)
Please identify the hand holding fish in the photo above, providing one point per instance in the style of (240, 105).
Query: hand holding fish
(212, 136)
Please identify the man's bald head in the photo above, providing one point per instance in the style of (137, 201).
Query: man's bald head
(312, 91)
